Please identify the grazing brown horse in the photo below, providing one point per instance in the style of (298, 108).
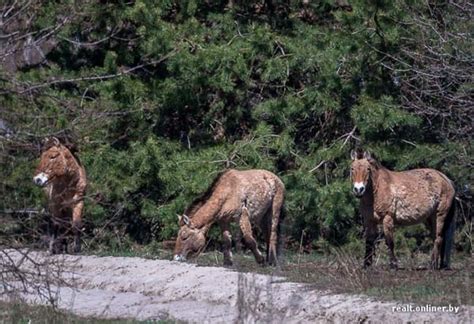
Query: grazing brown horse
(403, 198)
(64, 180)
(252, 197)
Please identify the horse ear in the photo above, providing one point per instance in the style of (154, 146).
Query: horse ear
(47, 143)
(183, 219)
(186, 219)
(353, 155)
(357, 154)
(56, 141)
(372, 160)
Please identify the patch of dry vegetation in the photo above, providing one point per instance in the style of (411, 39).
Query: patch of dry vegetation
(17, 312)
(341, 272)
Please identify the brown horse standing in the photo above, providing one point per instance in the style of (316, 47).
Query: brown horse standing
(252, 197)
(403, 198)
(64, 180)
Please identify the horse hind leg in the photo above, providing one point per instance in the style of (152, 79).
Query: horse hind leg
(52, 238)
(430, 226)
(64, 244)
(63, 231)
(437, 257)
(77, 225)
(246, 228)
(265, 226)
(274, 227)
(448, 237)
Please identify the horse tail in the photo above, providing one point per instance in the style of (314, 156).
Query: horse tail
(448, 234)
(280, 240)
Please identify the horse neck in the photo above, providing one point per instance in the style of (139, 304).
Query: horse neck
(207, 214)
(72, 168)
(379, 179)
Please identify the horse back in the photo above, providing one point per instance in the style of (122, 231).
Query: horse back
(253, 188)
(414, 195)
(424, 181)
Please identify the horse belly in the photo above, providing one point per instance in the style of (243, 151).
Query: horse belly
(258, 213)
(413, 209)
(258, 203)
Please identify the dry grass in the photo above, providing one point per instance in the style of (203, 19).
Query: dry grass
(341, 272)
(17, 312)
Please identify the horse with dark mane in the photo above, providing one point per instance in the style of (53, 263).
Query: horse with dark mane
(251, 198)
(403, 198)
(64, 180)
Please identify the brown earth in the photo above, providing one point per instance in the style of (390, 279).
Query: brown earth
(136, 288)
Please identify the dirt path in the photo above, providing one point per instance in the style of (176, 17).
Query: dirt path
(118, 287)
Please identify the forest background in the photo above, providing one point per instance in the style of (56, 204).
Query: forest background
(159, 96)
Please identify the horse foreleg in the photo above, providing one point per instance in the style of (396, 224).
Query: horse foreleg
(53, 235)
(226, 244)
(246, 229)
(388, 227)
(371, 234)
(77, 225)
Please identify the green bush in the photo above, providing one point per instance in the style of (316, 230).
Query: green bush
(192, 88)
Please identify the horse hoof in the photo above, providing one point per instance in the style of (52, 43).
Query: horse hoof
(260, 261)
(444, 266)
(273, 263)
(272, 260)
(54, 251)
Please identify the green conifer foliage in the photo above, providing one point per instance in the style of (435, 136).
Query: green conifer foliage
(162, 95)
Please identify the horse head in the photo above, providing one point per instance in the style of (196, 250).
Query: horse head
(53, 162)
(362, 167)
(190, 241)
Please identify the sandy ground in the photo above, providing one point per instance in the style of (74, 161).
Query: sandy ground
(136, 288)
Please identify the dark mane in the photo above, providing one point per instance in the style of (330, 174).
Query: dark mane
(202, 198)
(372, 160)
(375, 162)
(74, 150)
(74, 154)
(67, 143)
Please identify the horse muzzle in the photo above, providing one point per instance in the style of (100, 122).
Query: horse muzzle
(41, 179)
(358, 189)
(179, 257)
